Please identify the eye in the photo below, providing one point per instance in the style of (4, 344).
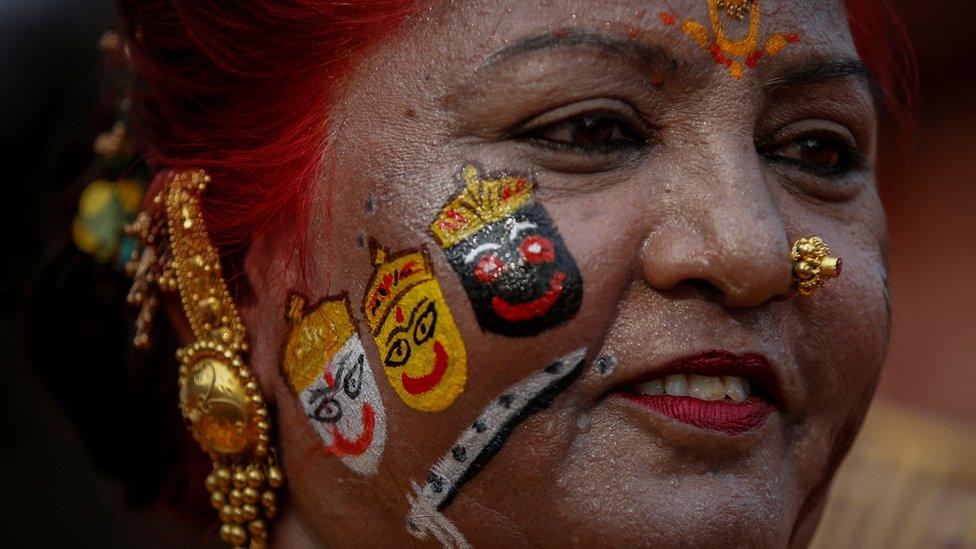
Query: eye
(424, 327)
(822, 155)
(398, 353)
(324, 408)
(595, 133)
(538, 249)
(489, 268)
(353, 383)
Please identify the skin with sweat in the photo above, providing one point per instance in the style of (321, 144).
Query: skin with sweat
(677, 189)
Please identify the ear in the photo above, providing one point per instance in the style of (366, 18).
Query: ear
(272, 268)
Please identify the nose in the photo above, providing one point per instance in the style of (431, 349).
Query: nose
(724, 230)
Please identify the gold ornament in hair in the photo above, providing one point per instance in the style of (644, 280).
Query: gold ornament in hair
(813, 265)
(219, 396)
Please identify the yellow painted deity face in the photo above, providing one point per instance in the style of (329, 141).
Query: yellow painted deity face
(419, 345)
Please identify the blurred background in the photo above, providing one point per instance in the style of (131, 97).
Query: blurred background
(909, 482)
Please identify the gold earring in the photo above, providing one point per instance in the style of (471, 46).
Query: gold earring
(219, 396)
(813, 265)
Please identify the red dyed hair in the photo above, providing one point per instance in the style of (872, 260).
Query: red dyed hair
(242, 89)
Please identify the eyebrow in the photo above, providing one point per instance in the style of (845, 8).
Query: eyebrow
(823, 70)
(647, 53)
(820, 70)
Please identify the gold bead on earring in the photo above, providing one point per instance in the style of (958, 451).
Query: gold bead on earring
(813, 265)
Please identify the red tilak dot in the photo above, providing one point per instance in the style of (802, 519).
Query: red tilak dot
(753, 58)
(718, 56)
(667, 18)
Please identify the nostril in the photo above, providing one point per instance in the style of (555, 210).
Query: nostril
(696, 288)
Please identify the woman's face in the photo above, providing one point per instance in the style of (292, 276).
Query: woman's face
(508, 182)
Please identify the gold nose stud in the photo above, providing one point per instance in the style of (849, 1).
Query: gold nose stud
(813, 265)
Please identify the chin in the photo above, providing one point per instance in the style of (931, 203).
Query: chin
(690, 510)
(629, 484)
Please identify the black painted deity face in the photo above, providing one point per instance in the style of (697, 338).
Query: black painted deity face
(518, 274)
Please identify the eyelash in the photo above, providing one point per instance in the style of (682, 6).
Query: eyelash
(848, 157)
(631, 136)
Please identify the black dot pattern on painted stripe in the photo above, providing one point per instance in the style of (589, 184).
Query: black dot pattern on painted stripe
(436, 482)
(505, 400)
(554, 367)
(604, 364)
(459, 453)
(480, 426)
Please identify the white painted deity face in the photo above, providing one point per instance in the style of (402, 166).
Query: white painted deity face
(345, 409)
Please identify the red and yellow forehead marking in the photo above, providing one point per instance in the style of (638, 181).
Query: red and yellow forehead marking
(735, 54)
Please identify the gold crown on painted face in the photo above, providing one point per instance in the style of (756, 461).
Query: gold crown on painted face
(314, 335)
(390, 281)
(481, 202)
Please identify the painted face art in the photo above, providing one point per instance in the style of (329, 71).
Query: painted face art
(515, 268)
(480, 442)
(724, 50)
(327, 368)
(419, 345)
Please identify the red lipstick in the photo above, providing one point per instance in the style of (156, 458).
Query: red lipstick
(726, 416)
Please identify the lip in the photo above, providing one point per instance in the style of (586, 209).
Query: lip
(531, 309)
(724, 416)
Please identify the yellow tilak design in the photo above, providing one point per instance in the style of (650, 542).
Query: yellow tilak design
(736, 54)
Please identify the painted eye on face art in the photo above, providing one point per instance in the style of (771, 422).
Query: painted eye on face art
(325, 409)
(489, 268)
(353, 383)
(423, 328)
(398, 353)
(538, 249)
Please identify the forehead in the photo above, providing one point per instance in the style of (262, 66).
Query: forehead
(468, 32)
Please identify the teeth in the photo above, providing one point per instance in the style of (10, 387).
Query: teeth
(736, 388)
(653, 387)
(676, 385)
(701, 387)
(706, 387)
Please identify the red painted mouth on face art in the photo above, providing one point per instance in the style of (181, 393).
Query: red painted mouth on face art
(346, 447)
(422, 384)
(539, 306)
